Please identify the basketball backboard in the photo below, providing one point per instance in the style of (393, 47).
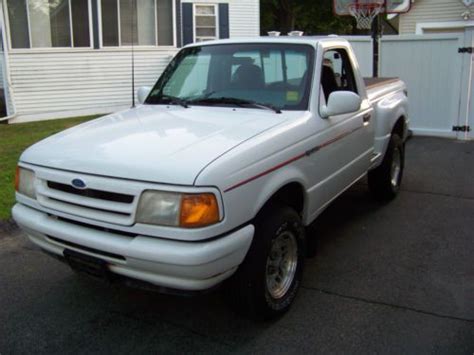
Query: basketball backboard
(341, 7)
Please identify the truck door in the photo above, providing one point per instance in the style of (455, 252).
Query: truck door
(344, 142)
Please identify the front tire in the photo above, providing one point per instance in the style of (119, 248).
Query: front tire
(266, 283)
(385, 180)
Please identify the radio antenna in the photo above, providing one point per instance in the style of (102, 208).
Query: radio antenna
(133, 52)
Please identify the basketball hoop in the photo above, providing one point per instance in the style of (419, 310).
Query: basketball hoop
(364, 13)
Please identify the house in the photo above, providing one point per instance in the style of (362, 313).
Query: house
(437, 16)
(64, 58)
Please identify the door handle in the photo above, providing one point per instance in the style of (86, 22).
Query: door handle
(366, 118)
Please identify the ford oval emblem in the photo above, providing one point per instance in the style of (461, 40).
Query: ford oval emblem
(78, 184)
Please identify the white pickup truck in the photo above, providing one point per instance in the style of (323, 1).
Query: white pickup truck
(238, 147)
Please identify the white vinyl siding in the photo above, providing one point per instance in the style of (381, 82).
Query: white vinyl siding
(99, 81)
(424, 11)
(244, 18)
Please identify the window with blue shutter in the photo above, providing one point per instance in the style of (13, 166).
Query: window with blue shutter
(204, 22)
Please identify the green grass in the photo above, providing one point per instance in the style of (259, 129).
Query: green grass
(14, 139)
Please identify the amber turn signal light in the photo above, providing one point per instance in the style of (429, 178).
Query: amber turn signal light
(198, 210)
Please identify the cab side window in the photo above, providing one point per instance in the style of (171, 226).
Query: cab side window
(337, 73)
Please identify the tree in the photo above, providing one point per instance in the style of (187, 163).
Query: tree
(311, 16)
(280, 15)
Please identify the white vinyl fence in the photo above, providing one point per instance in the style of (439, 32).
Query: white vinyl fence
(438, 77)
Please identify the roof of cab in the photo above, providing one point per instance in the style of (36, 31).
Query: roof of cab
(311, 40)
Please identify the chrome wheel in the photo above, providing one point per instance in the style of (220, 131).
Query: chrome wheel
(281, 264)
(396, 168)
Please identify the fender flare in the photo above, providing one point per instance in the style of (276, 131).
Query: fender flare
(276, 182)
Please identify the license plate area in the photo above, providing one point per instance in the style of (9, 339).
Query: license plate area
(87, 264)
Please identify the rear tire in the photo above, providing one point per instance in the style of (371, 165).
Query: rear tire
(266, 283)
(385, 180)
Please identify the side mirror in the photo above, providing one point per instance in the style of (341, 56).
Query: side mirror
(142, 93)
(341, 102)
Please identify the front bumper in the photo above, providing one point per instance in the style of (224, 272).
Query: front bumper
(189, 266)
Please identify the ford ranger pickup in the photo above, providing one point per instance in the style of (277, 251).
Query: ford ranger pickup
(212, 179)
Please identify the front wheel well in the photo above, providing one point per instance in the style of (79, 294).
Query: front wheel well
(291, 195)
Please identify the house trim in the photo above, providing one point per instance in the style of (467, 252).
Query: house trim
(7, 87)
(53, 115)
(174, 22)
(91, 50)
(421, 26)
(178, 11)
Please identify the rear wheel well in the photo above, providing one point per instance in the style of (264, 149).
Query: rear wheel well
(291, 195)
(399, 127)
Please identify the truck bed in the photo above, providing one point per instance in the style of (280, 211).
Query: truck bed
(372, 82)
(378, 87)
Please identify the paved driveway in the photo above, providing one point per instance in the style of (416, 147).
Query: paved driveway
(397, 278)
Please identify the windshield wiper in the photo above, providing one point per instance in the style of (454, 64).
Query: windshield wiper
(234, 101)
(173, 100)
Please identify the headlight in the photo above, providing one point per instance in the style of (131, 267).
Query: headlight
(25, 182)
(178, 210)
(158, 207)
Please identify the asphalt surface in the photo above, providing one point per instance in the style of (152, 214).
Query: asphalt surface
(395, 278)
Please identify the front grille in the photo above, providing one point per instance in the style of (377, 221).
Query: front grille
(108, 205)
(91, 193)
(91, 209)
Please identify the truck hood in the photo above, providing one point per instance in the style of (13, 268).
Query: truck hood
(152, 143)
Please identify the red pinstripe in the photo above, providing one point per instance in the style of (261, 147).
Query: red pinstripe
(266, 172)
(289, 161)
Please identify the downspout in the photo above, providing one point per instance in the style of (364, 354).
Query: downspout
(8, 88)
(7, 118)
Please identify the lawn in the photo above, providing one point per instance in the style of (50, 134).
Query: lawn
(14, 139)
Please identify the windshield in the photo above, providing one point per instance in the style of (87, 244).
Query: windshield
(277, 76)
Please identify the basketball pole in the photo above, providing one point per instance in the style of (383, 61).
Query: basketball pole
(375, 45)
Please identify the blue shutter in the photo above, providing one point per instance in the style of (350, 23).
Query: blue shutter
(224, 21)
(188, 26)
